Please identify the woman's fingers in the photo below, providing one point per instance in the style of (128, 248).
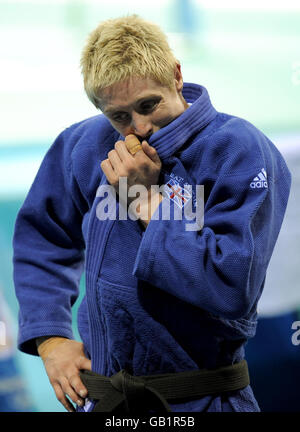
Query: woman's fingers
(71, 387)
(115, 160)
(133, 144)
(69, 390)
(79, 388)
(109, 171)
(83, 363)
(62, 397)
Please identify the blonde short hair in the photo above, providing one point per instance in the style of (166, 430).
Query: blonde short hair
(123, 47)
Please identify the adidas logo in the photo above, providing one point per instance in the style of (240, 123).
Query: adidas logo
(260, 181)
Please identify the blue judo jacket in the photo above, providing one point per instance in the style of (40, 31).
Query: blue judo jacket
(165, 299)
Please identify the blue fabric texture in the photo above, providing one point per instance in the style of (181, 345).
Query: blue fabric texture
(165, 299)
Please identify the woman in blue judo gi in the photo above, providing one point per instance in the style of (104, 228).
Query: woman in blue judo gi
(168, 309)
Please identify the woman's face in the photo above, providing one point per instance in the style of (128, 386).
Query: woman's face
(141, 106)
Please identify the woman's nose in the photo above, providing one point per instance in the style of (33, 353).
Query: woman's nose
(142, 125)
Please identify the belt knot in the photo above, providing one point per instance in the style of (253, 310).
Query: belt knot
(132, 387)
(135, 391)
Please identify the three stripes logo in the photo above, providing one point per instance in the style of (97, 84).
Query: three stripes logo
(260, 181)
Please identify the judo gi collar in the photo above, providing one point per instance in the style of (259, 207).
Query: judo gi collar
(171, 137)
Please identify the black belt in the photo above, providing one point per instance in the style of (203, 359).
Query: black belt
(141, 393)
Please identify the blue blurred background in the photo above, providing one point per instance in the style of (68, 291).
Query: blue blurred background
(247, 55)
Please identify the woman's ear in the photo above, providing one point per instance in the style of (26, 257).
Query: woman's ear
(178, 77)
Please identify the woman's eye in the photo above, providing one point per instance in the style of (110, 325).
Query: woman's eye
(121, 117)
(148, 106)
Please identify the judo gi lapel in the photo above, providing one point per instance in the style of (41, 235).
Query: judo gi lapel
(97, 236)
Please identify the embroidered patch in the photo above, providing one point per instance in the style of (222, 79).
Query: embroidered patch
(177, 193)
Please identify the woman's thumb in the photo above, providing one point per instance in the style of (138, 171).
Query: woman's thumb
(150, 152)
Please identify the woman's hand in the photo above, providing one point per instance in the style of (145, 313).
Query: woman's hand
(141, 166)
(139, 163)
(63, 359)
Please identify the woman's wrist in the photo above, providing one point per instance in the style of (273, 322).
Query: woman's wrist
(45, 344)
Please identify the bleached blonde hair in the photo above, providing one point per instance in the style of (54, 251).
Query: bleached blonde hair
(123, 47)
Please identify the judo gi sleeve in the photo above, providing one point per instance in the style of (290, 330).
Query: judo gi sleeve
(222, 267)
(48, 249)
